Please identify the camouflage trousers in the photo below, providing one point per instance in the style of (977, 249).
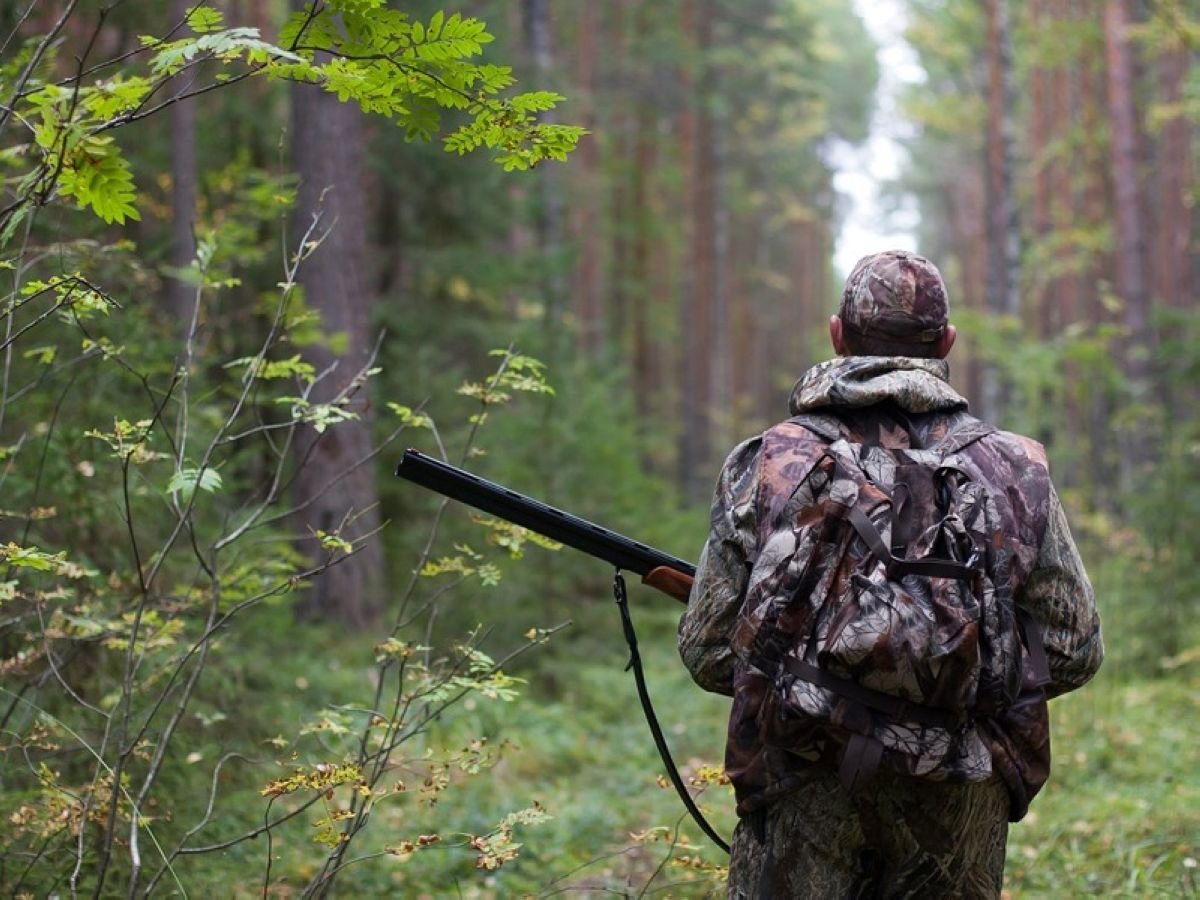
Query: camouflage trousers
(899, 837)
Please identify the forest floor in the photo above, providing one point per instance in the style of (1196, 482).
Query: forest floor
(1119, 818)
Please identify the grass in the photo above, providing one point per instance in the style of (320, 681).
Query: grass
(1121, 814)
(1119, 818)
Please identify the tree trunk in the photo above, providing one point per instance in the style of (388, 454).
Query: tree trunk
(548, 208)
(967, 207)
(646, 346)
(721, 374)
(1131, 281)
(1097, 215)
(1131, 235)
(1041, 128)
(697, 302)
(1174, 264)
(335, 483)
(1071, 289)
(1003, 234)
(586, 275)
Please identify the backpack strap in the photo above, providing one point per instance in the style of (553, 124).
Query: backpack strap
(863, 752)
(898, 710)
(898, 567)
(1039, 664)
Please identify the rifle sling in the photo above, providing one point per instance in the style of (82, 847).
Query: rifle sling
(639, 677)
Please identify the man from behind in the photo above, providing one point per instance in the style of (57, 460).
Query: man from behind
(863, 768)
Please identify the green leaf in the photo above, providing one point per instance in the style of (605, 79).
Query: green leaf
(117, 95)
(204, 19)
(232, 43)
(268, 369)
(334, 543)
(44, 355)
(186, 481)
(410, 417)
(31, 558)
(99, 177)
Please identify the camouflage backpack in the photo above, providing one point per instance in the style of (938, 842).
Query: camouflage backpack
(880, 607)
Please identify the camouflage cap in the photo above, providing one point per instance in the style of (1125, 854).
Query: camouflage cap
(895, 295)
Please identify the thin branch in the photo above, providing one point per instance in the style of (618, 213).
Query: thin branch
(100, 761)
(205, 819)
(251, 835)
(20, 21)
(42, 47)
(125, 704)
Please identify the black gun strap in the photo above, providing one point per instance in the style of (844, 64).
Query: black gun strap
(639, 676)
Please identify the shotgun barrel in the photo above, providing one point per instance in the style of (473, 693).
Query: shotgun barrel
(556, 524)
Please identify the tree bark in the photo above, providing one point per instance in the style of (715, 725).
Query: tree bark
(1130, 257)
(335, 482)
(1175, 264)
(697, 302)
(548, 207)
(584, 219)
(1003, 232)
(1041, 129)
(646, 347)
(1125, 154)
(1097, 214)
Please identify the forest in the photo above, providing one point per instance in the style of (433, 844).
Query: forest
(251, 250)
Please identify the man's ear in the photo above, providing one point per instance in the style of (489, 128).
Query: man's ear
(946, 342)
(836, 336)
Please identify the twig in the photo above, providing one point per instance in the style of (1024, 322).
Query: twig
(207, 817)
(34, 60)
(100, 761)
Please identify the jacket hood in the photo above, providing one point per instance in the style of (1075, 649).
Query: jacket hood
(915, 385)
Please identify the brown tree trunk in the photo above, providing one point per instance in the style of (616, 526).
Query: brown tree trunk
(1098, 271)
(548, 208)
(1130, 255)
(721, 374)
(1174, 262)
(1071, 290)
(1125, 154)
(335, 481)
(744, 243)
(1003, 234)
(698, 283)
(965, 200)
(1041, 128)
(803, 310)
(586, 274)
(646, 347)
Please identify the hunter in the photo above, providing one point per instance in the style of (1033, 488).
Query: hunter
(934, 824)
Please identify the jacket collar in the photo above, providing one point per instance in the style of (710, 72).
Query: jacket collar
(915, 385)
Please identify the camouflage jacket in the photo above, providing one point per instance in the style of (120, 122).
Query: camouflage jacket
(903, 402)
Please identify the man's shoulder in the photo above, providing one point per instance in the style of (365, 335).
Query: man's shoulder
(1014, 448)
(800, 437)
(807, 428)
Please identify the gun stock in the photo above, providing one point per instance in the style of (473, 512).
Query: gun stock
(668, 574)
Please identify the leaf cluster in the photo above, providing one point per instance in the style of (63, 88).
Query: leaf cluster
(388, 63)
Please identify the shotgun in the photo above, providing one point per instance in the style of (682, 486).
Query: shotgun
(661, 571)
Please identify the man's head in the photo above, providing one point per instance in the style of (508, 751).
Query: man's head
(894, 304)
